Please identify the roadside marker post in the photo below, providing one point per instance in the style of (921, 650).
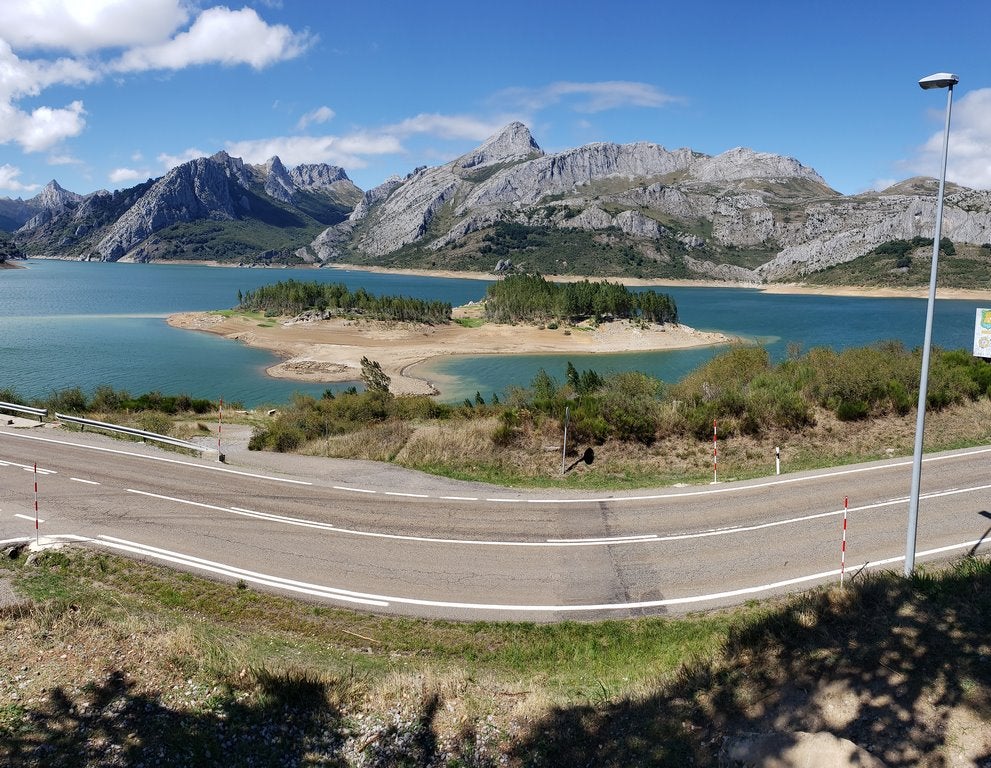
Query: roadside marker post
(846, 504)
(37, 533)
(777, 461)
(220, 429)
(564, 448)
(715, 453)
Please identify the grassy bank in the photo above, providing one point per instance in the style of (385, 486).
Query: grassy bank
(117, 662)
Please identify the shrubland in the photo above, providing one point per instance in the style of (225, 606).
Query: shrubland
(820, 407)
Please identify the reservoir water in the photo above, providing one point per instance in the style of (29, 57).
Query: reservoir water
(68, 324)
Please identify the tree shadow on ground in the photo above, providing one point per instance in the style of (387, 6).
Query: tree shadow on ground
(288, 722)
(899, 667)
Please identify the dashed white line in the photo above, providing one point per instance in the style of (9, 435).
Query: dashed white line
(27, 517)
(648, 538)
(208, 467)
(81, 480)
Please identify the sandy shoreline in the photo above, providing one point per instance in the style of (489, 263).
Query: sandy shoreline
(917, 292)
(331, 350)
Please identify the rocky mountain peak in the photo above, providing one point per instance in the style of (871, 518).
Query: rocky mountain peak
(514, 143)
(743, 163)
(54, 198)
(278, 183)
(317, 175)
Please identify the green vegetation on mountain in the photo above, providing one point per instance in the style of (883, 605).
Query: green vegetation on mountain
(292, 297)
(531, 298)
(908, 263)
(8, 248)
(543, 249)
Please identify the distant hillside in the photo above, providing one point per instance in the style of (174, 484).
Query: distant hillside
(609, 210)
(635, 210)
(214, 208)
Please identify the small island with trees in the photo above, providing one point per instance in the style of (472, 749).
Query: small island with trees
(324, 331)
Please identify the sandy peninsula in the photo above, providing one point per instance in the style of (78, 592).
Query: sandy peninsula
(331, 350)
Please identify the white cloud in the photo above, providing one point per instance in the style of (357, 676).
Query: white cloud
(146, 29)
(969, 161)
(220, 36)
(82, 26)
(9, 182)
(171, 161)
(318, 116)
(124, 175)
(21, 77)
(345, 151)
(42, 128)
(449, 126)
(588, 97)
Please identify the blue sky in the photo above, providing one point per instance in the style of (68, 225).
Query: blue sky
(102, 94)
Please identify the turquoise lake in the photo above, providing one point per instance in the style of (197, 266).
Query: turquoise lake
(80, 324)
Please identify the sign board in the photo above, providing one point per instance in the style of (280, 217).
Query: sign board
(982, 333)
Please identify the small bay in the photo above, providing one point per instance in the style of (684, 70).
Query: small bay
(85, 324)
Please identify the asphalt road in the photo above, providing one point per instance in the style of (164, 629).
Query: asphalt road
(379, 538)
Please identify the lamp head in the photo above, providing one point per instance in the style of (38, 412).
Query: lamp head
(939, 80)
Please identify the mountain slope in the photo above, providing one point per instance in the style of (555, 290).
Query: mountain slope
(616, 210)
(215, 208)
(634, 210)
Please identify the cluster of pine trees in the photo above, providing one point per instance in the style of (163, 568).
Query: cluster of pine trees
(291, 297)
(531, 298)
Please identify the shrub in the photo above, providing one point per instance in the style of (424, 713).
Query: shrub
(152, 421)
(70, 400)
(852, 410)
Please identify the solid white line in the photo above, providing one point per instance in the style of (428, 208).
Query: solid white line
(27, 517)
(80, 480)
(336, 593)
(607, 539)
(207, 467)
(709, 491)
(210, 566)
(651, 538)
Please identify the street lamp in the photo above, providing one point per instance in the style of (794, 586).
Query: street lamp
(939, 80)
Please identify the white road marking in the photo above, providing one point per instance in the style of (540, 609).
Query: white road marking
(709, 490)
(26, 517)
(164, 459)
(29, 468)
(411, 495)
(607, 539)
(80, 480)
(331, 593)
(633, 538)
(459, 498)
(354, 490)
(336, 593)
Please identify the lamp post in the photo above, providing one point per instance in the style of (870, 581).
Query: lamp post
(939, 80)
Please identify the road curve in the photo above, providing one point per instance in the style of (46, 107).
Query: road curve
(374, 537)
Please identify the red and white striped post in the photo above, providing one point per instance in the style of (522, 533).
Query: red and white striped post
(220, 427)
(715, 452)
(37, 533)
(843, 545)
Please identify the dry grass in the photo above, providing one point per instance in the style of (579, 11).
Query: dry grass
(109, 674)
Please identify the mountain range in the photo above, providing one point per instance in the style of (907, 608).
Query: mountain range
(618, 210)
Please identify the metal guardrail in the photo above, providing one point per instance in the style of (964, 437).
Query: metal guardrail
(39, 412)
(131, 431)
